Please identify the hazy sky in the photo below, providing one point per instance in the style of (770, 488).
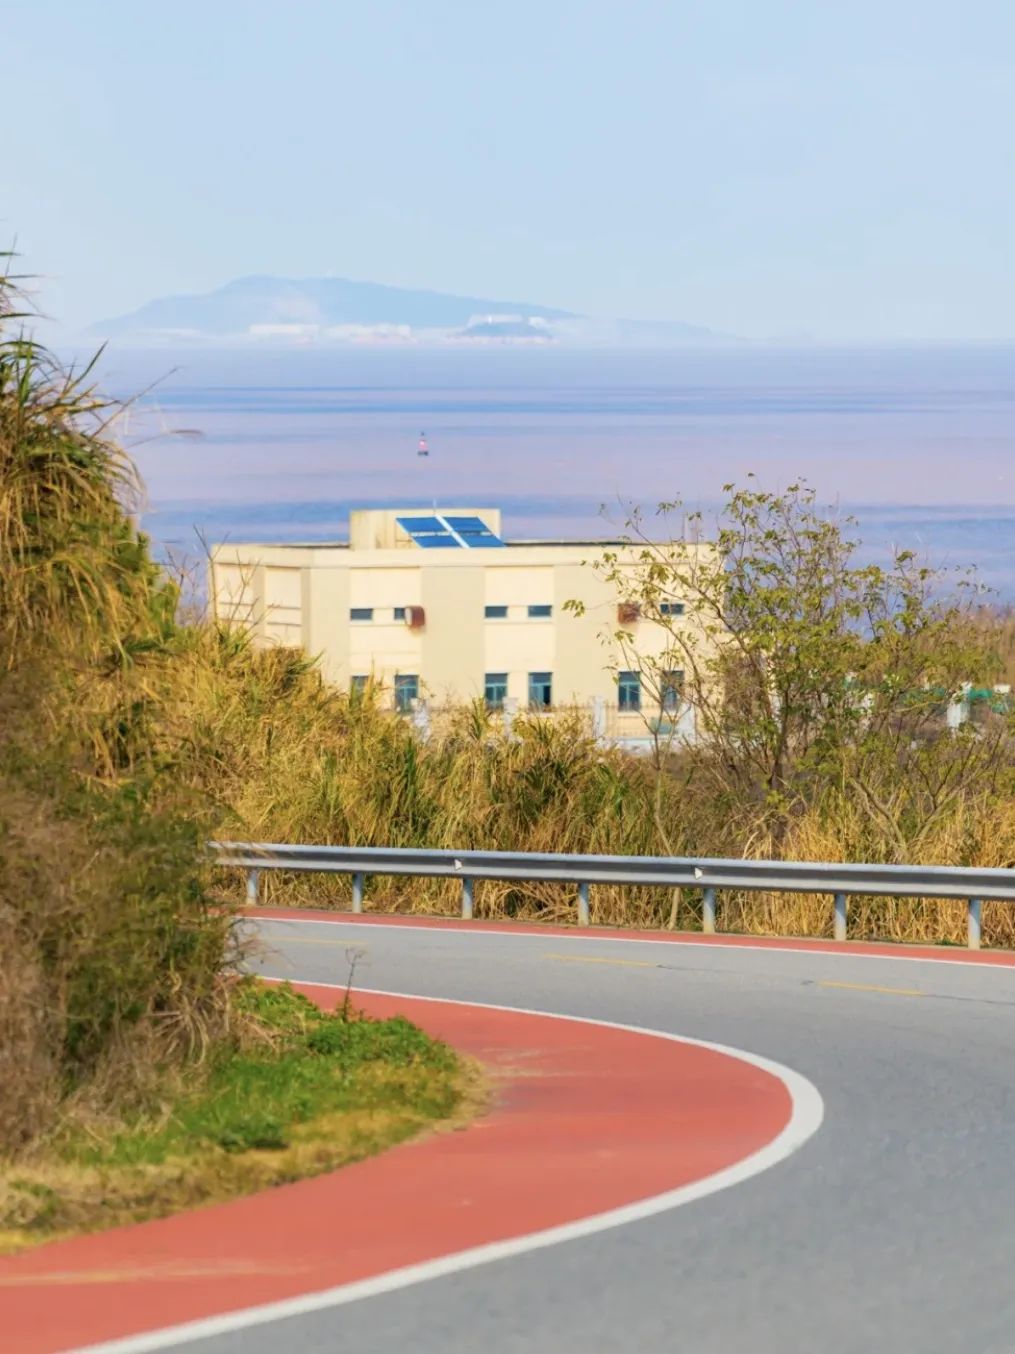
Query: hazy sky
(844, 168)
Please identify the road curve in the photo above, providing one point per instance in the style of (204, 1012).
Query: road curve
(579, 1136)
(892, 1228)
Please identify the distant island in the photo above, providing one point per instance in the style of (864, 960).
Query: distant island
(334, 310)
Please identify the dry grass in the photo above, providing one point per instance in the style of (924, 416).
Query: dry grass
(999, 624)
(301, 763)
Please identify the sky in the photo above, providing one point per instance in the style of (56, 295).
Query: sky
(780, 169)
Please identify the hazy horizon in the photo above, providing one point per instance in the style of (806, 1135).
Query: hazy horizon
(84, 342)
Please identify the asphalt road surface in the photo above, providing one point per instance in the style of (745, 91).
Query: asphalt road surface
(892, 1229)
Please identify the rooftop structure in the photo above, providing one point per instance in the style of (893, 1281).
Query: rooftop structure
(436, 605)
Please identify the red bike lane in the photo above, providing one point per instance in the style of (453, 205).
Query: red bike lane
(585, 1118)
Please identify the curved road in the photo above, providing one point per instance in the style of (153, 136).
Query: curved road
(893, 1228)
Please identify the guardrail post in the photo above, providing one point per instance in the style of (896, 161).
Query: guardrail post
(467, 899)
(357, 893)
(708, 911)
(974, 907)
(252, 878)
(583, 904)
(840, 916)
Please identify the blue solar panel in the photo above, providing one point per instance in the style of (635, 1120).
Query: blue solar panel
(433, 532)
(429, 532)
(416, 524)
(468, 524)
(473, 531)
(436, 539)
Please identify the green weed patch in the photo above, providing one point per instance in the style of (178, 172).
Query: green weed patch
(299, 1092)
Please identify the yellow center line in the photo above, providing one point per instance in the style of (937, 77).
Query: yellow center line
(870, 987)
(600, 959)
(309, 940)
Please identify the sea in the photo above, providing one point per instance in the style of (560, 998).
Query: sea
(254, 444)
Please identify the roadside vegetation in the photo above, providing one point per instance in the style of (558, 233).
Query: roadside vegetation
(128, 1040)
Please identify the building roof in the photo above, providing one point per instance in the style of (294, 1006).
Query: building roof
(473, 530)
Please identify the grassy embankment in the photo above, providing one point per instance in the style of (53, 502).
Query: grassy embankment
(295, 1092)
(137, 1073)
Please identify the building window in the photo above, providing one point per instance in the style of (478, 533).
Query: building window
(358, 683)
(399, 613)
(406, 691)
(541, 690)
(671, 608)
(495, 690)
(495, 613)
(361, 613)
(629, 690)
(671, 688)
(539, 612)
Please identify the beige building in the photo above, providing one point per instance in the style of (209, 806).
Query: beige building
(436, 607)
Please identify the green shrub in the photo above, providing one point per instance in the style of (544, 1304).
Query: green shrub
(113, 959)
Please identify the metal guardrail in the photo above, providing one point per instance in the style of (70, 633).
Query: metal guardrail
(840, 881)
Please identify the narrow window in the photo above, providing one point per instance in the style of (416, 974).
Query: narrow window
(671, 687)
(540, 611)
(541, 690)
(495, 613)
(629, 690)
(406, 691)
(495, 690)
(358, 683)
(361, 613)
(399, 613)
(671, 608)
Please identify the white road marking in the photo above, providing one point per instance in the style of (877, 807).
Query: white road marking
(725, 943)
(805, 1119)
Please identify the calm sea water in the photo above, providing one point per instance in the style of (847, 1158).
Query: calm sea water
(259, 445)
